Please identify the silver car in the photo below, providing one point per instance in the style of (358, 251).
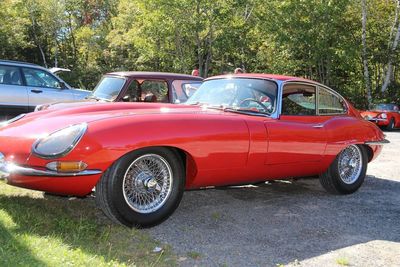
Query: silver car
(23, 86)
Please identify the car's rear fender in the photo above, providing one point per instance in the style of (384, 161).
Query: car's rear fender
(345, 131)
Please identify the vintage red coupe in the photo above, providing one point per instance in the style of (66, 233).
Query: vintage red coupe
(240, 129)
(137, 86)
(384, 115)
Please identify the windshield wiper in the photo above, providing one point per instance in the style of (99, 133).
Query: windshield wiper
(239, 110)
(97, 98)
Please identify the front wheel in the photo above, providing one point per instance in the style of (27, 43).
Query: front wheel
(347, 172)
(142, 188)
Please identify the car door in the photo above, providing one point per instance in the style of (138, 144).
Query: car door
(44, 88)
(13, 93)
(298, 136)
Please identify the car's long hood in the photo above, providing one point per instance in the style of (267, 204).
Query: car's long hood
(50, 120)
(19, 136)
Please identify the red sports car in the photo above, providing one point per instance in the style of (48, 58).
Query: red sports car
(240, 129)
(384, 115)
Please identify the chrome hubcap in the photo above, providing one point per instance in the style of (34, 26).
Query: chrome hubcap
(147, 183)
(350, 164)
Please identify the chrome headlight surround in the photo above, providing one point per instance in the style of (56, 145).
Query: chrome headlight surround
(59, 143)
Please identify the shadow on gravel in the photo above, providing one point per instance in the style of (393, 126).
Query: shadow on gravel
(280, 222)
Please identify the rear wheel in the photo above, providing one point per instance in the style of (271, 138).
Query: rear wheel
(347, 172)
(142, 188)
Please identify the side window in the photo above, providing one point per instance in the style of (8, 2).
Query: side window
(298, 100)
(10, 75)
(154, 91)
(329, 103)
(40, 78)
(132, 94)
(183, 89)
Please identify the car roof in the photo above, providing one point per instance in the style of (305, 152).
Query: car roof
(262, 76)
(155, 75)
(15, 63)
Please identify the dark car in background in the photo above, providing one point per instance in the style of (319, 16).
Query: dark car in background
(23, 86)
(135, 86)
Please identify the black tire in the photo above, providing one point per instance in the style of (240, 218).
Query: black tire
(111, 197)
(391, 125)
(331, 180)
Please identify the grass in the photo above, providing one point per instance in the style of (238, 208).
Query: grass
(342, 261)
(52, 231)
(194, 255)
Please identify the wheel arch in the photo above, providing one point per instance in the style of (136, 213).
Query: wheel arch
(188, 161)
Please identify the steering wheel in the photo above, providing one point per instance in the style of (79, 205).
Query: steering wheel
(265, 109)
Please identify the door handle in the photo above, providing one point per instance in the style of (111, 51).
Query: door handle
(318, 126)
(36, 91)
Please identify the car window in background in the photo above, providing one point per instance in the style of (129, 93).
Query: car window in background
(132, 94)
(298, 100)
(10, 75)
(329, 103)
(154, 91)
(109, 88)
(39, 78)
(383, 107)
(183, 89)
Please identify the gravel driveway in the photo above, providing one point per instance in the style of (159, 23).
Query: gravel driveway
(294, 224)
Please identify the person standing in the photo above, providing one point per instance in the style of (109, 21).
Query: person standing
(238, 71)
(195, 72)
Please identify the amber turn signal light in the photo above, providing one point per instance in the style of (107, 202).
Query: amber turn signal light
(66, 166)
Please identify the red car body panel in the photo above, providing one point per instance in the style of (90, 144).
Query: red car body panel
(220, 148)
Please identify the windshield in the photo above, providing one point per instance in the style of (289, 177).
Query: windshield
(241, 94)
(382, 107)
(108, 88)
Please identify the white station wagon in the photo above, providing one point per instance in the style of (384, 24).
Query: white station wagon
(23, 86)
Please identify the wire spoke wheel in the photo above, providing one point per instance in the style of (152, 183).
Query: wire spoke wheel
(350, 164)
(147, 183)
(347, 172)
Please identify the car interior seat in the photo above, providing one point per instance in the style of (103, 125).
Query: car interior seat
(150, 98)
(16, 78)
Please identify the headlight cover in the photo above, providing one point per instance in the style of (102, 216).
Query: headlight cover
(59, 143)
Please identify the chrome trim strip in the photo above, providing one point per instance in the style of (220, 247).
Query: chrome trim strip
(6, 169)
(376, 119)
(380, 142)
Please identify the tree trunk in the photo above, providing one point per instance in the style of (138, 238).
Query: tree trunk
(36, 39)
(364, 52)
(393, 48)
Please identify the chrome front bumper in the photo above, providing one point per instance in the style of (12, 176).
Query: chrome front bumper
(375, 119)
(379, 142)
(6, 169)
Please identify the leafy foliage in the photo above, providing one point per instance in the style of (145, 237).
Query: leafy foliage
(316, 39)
